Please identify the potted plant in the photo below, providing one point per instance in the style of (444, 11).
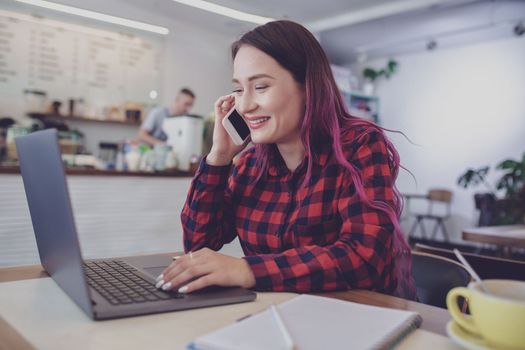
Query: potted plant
(503, 204)
(371, 75)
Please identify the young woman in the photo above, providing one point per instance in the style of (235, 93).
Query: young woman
(313, 203)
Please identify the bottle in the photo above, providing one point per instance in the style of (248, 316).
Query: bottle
(171, 160)
(119, 162)
(133, 158)
(161, 153)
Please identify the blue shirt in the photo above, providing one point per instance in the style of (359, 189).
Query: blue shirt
(153, 122)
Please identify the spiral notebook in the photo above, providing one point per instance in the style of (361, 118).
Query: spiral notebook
(315, 322)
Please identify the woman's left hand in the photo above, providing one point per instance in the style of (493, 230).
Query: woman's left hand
(203, 268)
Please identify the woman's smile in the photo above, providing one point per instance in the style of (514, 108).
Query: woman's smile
(256, 122)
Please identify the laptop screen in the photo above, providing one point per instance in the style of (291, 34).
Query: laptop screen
(51, 213)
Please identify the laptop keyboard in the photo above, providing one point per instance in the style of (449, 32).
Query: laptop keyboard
(119, 283)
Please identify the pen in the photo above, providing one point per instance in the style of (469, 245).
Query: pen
(287, 338)
(243, 318)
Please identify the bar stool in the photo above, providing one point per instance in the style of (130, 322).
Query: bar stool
(434, 197)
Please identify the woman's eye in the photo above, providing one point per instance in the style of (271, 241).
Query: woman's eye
(237, 91)
(260, 87)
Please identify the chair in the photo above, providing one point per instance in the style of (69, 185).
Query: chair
(435, 276)
(434, 197)
(487, 267)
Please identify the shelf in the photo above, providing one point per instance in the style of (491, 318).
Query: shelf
(363, 106)
(360, 95)
(14, 169)
(42, 116)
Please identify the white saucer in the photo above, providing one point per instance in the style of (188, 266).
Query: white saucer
(466, 339)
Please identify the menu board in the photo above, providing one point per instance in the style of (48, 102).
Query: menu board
(70, 61)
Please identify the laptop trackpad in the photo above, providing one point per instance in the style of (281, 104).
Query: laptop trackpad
(153, 271)
(151, 265)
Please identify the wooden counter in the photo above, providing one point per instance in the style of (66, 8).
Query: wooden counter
(13, 169)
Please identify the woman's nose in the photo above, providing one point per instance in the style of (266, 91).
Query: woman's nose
(245, 104)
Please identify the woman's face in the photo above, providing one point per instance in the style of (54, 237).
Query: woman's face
(268, 97)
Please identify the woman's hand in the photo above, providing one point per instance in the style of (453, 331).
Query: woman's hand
(204, 268)
(223, 149)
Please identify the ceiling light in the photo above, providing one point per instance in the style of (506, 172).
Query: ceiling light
(96, 15)
(68, 26)
(389, 8)
(225, 11)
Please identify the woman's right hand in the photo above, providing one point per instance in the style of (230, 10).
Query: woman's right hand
(223, 149)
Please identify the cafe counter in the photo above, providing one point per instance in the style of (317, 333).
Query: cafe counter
(14, 169)
(116, 213)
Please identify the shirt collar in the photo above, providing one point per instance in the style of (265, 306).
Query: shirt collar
(277, 165)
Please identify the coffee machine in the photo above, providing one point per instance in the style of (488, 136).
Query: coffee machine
(185, 135)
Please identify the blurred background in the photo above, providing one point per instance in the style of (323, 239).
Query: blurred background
(446, 76)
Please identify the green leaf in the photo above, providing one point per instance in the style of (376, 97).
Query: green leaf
(370, 74)
(482, 172)
(473, 177)
(507, 183)
(508, 164)
(392, 65)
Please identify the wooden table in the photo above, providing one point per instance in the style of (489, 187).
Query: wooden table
(505, 236)
(434, 319)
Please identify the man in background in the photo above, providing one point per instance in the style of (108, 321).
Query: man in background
(151, 129)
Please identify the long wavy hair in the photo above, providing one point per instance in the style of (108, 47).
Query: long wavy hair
(325, 119)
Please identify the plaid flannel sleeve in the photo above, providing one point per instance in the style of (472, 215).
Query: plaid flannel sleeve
(207, 217)
(362, 255)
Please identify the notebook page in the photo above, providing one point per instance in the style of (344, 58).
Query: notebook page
(316, 323)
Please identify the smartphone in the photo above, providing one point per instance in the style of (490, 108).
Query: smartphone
(236, 127)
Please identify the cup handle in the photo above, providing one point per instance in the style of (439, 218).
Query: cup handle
(452, 304)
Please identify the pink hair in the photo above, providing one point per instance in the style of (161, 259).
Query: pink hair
(326, 118)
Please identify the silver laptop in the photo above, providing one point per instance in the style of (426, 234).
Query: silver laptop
(104, 289)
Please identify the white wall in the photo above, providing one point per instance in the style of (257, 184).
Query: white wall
(463, 107)
(200, 60)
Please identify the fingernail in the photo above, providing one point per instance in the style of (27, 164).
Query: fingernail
(183, 289)
(159, 284)
(161, 277)
(166, 286)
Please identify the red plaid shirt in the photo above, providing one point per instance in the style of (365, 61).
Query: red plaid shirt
(319, 237)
